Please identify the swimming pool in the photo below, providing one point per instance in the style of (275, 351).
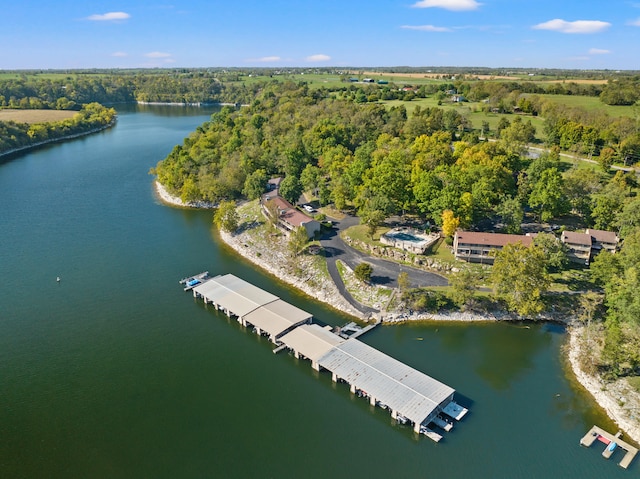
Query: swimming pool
(405, 237)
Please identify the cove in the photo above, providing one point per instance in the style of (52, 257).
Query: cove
(116, 372)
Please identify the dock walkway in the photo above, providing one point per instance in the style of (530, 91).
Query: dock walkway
(611, 443)
(410, 395)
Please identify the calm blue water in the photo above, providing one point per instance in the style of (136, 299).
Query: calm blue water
(115, 372)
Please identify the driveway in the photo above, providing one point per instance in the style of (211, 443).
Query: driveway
(385, 272)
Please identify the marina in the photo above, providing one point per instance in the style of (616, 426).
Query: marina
(611, 442)
(410, 395)
(189, 393)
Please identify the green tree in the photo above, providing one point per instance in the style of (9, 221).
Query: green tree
(517, 135)
(255, 184)
(226, 216)
(363, 272)
(462, 287)
(310, 177)
(555, 251)
(298, 240)
(403, 281)
(273, 213)
(580, 185)
(512, 214)
(547, 195)
(519, 277)
(373, 219)
(629, 218)
(605, 160)
(290, 189)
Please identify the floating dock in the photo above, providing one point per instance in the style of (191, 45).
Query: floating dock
(410, 395)
(611, 442)
(191, 282)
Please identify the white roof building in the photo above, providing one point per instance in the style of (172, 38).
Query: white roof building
(251, 305)
(403, 389)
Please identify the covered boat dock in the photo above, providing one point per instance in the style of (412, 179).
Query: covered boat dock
(251, 305)
(409, 394)
(404, 390)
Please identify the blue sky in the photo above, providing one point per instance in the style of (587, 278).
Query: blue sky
(579, 34)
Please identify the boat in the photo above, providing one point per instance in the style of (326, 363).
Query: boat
(191, 282)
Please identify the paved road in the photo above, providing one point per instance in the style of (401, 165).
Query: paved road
(384, 272)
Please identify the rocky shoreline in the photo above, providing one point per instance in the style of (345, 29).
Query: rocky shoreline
(613, 397)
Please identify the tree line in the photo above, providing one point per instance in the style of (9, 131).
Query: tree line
(383, 162)
(19, 135)
(73, 91)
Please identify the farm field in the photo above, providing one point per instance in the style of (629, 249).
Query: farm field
(470, 110)
(35, 116)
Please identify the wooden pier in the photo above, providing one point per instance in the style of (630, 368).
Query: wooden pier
(612, 442)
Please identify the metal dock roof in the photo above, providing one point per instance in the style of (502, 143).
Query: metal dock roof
(234, 294)
(411, 393)
(277, 317)
(311, 340)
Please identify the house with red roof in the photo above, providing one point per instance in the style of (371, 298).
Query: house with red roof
(479, 247)
(289, 217)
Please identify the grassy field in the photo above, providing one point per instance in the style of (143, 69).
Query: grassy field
(35, 116)
(592, 103)
(469, 109)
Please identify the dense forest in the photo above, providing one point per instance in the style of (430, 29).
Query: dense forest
(340, 143)
(380, 162)
(72, 91)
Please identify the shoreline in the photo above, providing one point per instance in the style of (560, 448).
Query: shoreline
(606, 395)
(55, 140)
(610, 396)
(164, 196)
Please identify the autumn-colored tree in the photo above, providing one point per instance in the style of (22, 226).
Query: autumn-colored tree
(450, 223)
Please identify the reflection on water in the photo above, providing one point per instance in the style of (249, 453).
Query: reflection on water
(116, 372)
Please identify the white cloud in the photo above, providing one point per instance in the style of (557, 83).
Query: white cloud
(579, 26)
(598, 51)
(318, 58)
(157, 55)
(269, 59)
(426, 28)
(455, 5)
(119, 54)
(634, 23)
(109, 17)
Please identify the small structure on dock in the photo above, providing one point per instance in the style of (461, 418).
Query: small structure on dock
(611, 442)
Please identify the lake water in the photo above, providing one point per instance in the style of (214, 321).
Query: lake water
(115, 372)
